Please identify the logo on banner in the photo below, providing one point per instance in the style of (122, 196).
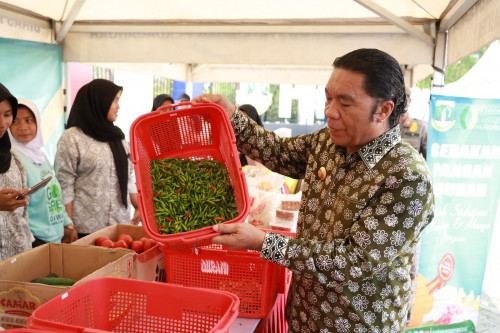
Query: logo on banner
(443, 120)
(468, 117)
(445, 271)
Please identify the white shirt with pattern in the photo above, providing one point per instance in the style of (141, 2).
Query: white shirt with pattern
(15, 234)
(85, 168)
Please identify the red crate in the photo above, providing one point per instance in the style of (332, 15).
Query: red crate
(275, 321)
(122, 305)
(26, 330)
(201, 131)
(242, 272)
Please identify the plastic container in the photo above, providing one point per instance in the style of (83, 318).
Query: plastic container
(242, 272)
(275, 320)
(202, 131)
(26, 330)
(122, 305)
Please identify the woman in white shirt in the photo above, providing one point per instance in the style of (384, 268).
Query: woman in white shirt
(92, 163)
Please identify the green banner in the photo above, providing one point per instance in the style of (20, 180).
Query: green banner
(464, 158)
(34, 71)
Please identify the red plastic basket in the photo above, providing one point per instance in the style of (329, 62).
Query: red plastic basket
(122, 305)
(26, 330)
(275, 321)
(242, 272)
(202, 131)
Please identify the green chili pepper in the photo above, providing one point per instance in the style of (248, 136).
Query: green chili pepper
(191, 194)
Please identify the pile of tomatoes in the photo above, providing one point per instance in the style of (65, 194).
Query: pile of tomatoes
(126, 241)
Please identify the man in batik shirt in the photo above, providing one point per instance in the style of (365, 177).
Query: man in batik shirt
(366, 197)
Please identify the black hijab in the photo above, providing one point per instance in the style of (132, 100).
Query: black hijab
(5, 156)
(160, 99)
(251, 112)
(89, 112)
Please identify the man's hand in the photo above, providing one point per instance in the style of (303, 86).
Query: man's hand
(70, 234)
(217, 99)
(8, 201)
(239, 236)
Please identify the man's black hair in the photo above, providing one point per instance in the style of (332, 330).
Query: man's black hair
(384, 79)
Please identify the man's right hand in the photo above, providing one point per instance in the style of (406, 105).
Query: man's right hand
(8, 201)
(217, 99)
(239, 236)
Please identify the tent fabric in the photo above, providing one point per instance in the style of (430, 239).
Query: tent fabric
(286, 41)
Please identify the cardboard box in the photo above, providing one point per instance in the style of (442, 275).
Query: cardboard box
(148, 266)
(19, 297)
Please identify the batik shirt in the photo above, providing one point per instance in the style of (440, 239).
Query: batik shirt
(85, 168)
(361, 215)
(15, 234)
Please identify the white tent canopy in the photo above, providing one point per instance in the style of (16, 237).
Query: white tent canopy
(280, 41)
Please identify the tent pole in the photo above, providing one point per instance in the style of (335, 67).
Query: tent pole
(66, 25)
(439, 64)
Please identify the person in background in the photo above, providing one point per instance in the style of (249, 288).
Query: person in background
(162, 100)
(15, 234)
(251, 112)
(183, 98)
(48, 220)
(92, 163)
(366, 197)
(414, 130)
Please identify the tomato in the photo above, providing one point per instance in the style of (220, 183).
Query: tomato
(121, 243)
(143, 239)
(108, 243)
(149, 243)
(127, 239)
(138, 246)
(100, 239)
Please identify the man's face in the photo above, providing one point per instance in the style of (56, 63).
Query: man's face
(348, 110)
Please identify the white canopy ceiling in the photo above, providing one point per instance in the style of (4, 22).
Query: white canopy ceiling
(279, 41)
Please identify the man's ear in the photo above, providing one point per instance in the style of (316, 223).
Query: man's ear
(384, 110)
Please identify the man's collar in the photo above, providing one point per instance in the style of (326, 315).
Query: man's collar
(373, 151)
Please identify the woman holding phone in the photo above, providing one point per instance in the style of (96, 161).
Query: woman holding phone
(15, 234)
(48, 220)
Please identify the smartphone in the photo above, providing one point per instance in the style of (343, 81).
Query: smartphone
(35, 188)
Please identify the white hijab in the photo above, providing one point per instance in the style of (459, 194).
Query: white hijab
(32, 149)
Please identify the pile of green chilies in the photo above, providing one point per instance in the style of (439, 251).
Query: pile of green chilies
(191, 194)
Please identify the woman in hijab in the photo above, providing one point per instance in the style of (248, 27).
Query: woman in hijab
(162, 100)
(92, 163)
(48, 220)
(15, 235)
(251, 112)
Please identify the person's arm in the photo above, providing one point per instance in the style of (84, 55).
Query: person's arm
(381, 233)
(136, 219)
(8, 201)
(69, 209)
(65, 168)
(70, 234)
(287, 156)
(132, 188)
